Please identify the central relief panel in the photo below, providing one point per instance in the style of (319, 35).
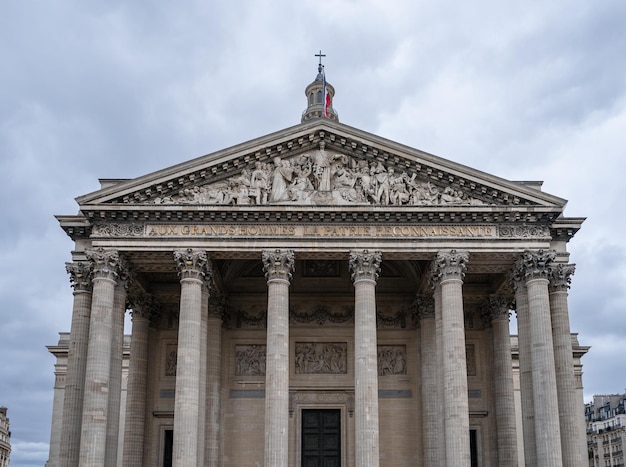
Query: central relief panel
(321, 358)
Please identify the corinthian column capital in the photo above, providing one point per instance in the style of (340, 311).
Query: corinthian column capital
(425, 307)
(561, 277)
(278, 264)
(498, 306)
(106, 264)
(365, 264)
(534, 264)
(449, 265)
(144, 304)
(80, 275)
(193, 264)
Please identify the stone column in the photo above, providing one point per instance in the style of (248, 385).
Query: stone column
(569, 410)
(432, 425)
(193, 269)
(80, 278)
(439, 359)
(115, 385)
(213, 378)
(278, 266)
(365, 266)
(498, 316)
(535, 265)
(203, 375)
(525, 367)
(93, 441)
(448, 272)
(143, 309)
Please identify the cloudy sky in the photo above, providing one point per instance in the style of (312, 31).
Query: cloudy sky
(528, 90)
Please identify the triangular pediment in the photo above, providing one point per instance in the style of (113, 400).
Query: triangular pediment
(321, 163)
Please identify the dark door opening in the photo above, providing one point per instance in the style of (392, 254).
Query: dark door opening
(474, 447)
(168, 442)
(321, 438)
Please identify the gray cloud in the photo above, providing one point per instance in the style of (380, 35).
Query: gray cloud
(529, 90)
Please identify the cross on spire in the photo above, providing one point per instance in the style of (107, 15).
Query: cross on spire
(320, 67)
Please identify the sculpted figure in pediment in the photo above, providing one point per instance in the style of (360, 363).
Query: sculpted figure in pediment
(322, 178)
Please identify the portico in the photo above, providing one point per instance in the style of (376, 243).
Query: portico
(320, 294)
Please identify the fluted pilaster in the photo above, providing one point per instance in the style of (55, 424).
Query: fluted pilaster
(570, 414)
(535, 268)
(432, 424)
(93, 443)
(278, 266)
(144, 307)
(498, 309)
(193, 269)
(448, 272)
(365, 267)
(80, 278)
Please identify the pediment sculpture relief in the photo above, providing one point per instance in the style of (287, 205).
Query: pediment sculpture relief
(322, 178)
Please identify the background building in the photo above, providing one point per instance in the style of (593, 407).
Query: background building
(606, 430)
(5, 438)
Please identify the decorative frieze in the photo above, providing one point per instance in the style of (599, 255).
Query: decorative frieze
(112, 229)
(322, 178)
(321, 358)
(523, 231)
(321, 314)
(365, 265)
(278, 264)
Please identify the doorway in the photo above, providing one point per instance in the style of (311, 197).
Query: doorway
(321, 438)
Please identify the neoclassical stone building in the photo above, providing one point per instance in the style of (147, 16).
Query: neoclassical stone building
(319, 296)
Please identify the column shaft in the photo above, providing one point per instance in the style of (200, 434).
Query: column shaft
(526, 374)
(456, 404)
(192, 269)
(136, 391)
(115, 386)
(569, 410)
(203, 376)
(547, 430)
(214, 378)
(503, 384)
(187, 396)
(431, 426)
(366, 374)
(76, 365)
(448, 272)
(278, 266)
(441, 446)
(365, 267)
(98, 372)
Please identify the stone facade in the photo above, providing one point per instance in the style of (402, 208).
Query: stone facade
(319, 296)
(5, 438)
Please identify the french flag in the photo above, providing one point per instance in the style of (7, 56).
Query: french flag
(327, 99)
